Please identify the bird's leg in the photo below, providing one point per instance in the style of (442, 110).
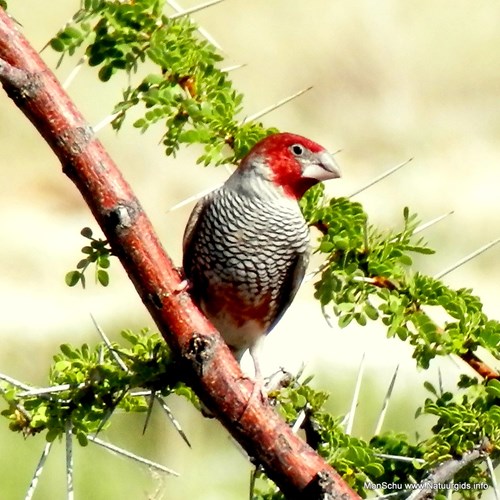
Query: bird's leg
(259, 384)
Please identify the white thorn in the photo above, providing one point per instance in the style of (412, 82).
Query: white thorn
(105, 122)
(467, 258)
(399, 458)
(385, 404)
(74, 72)
(194, 197)
(380, 177)
(267, 110)
(300, 420)
(172, 419)
(69, 461)
(38, 471)
(149, 411)
(192, 10)
(128, 454)
(494, 483)
(355, 397)
(234, 67)
(40, 391)
(426, 225)
(15, 383)
(180, 11)
(115, 355)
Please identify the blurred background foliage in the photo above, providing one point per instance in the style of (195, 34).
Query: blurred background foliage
(392, 80)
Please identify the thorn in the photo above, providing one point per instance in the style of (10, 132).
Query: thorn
(150, 409)
(399, 458)
(194, 197)
(172, 419)
(355, 397)
(180, 11)
(192, 10)
(427, 225)
(14, 382)
(69, 460)
(106, 340)
(233, 68)
(74, 72)
(38, 471)
(494, 483)
(267, 110)
(300, 420)
(385, 404)
(380, 177)
(467, 258)
(128, 454)
(440, 381)
(104, 122)
(40, 391)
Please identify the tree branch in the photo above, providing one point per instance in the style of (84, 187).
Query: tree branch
(446, 471)
(209, 366)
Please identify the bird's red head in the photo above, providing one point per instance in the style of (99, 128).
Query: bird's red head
(292, 162)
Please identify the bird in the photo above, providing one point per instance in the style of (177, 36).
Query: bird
(246, 244)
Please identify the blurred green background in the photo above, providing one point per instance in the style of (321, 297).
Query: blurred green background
(392, 80)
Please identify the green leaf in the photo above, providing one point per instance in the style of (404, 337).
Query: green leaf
(493, 388)
(57, 45)
(86, 232)
(72, 278)
(82, 438)
(103, 277)
(52, 434)
(430, 388)
(106, 72)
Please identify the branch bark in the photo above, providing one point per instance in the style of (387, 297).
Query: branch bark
(210, 367)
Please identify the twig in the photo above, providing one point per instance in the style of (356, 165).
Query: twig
(446, 471)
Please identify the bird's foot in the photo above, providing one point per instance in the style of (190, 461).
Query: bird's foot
(183, 286)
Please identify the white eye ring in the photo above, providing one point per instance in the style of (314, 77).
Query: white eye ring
(297, 149)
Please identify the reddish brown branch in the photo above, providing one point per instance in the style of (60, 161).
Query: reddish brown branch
(480, 366)
(210, 367)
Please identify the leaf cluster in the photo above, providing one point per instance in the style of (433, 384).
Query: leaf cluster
(390, 458)
(97, 253)
(187, 91)
(367, 276)
(88, 384)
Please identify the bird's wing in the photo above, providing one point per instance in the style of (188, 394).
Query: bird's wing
(193, 221)
(290, 286)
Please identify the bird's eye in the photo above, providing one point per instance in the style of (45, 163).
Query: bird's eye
(297, 150)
